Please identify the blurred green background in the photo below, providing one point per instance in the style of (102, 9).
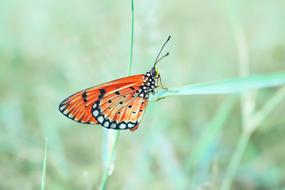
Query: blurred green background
(50, 49)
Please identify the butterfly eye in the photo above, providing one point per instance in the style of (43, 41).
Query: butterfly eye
(153, 72)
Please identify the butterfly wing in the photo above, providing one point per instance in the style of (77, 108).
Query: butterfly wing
(121, 111)
(113, 105)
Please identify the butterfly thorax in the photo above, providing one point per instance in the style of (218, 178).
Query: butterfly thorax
(149, 85)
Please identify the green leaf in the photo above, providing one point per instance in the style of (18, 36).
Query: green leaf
(235, 85)
(44, 166)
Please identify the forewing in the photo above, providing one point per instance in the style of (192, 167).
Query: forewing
(78, 106)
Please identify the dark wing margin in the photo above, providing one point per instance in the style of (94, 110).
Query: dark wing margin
(78, 106)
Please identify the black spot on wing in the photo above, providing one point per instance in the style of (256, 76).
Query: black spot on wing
(102, 92)
(84, 96)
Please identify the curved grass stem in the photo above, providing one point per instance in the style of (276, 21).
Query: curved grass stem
(235, 161)
(109, 163)
(113, 137)
(132, 39)
(44, 166)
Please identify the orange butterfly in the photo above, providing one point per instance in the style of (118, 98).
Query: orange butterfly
(119, 104)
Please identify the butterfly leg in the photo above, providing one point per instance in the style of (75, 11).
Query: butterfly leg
(164, 88)
(159, 99)
(161, 85)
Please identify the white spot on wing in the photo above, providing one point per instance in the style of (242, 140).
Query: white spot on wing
(96, 113)
(62, 108)
(106, 124)
(122, 125)
(113, 125)
(100, 119)
(95, 105)
(131, 125)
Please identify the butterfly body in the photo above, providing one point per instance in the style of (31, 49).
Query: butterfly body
(119, 104)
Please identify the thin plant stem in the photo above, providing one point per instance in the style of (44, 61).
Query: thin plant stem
(247, 103)
(268, 107)
(109, 164)
(44, 166)
(251, 119)
(111, 157)
(132, 39)
(254, 122)
(235, 162)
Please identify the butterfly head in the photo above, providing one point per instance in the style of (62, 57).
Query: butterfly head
(154, 73)
(152, 78)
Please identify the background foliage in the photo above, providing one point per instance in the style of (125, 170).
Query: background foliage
(50, 49)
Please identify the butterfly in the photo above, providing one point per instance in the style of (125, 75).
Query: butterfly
(119, 104)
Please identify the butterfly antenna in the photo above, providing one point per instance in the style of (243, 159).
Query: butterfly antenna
(167, 54)
(157, 58)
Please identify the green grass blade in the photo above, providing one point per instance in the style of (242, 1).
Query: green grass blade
(235, 85)
(254, 123)
(268, 107)
(211, 134)
(235, 161)
(132, 39)
(113, 136)
(213, 128)
(112, 139)
(44, 166)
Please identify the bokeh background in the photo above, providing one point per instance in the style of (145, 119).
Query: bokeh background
(50, 49)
